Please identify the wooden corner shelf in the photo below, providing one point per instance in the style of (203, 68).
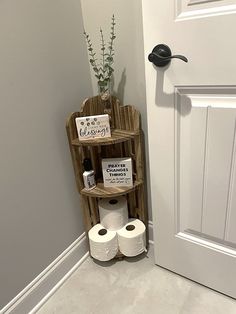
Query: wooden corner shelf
(117, 136)
(126, 141)
(101, 191)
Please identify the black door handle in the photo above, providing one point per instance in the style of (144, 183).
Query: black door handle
(161, 56)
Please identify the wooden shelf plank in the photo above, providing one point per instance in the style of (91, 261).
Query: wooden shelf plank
(117, 136)
(101, 191)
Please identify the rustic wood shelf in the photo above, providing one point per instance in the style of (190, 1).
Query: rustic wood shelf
(126, 141)
(101, 191)
(117, 136)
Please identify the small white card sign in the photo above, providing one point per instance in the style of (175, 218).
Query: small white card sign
(117, 172)
(93, 127)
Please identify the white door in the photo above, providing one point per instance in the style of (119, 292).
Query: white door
(192, 138)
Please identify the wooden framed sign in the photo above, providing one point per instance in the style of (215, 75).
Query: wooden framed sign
(93, 127)
(117, 172)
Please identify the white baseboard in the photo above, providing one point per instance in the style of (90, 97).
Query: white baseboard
(30, 299)
(150, 231)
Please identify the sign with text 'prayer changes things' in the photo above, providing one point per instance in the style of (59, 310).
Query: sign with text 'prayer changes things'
(117, 172)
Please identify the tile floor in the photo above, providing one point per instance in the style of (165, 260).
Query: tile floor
(134, 286)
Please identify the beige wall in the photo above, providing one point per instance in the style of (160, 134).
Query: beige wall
(129, 77)
(44, 75)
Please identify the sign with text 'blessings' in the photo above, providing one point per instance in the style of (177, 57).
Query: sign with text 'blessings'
(93, 127)
(117, 172)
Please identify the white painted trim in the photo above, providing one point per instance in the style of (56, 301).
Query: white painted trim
(150, 232)
(230, 192)
(202, 13)
(59, 284)
(206, 243)
(209, 96)
(33, 296)
(50, 279)
(193, 2)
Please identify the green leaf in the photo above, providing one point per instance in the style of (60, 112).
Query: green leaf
(110, 69)
(102, 83)
(110, 59)
(99, 76)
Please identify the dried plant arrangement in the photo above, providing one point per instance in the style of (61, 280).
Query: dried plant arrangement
(103, 68)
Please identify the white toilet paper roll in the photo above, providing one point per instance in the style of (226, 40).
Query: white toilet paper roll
(113, 212)
(103, 243)
(132, 238)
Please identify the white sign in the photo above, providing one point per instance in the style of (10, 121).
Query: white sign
(93, 127)
(117, 172)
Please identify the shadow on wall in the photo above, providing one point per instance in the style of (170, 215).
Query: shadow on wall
(168, 100)
(120, 88)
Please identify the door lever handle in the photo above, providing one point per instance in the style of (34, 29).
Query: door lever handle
(168, 58)
(161, 56)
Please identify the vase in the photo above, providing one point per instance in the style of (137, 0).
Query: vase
(104, 90)
(105, 94)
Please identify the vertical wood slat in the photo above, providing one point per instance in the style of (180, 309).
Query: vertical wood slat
(116, 111)
(127, 118)
(141, 208)
(86, 213)
(139, 157)
(94, 156)
(93, 210)
(139, 148)
(130, 116)
(136, 120)
(132, 204)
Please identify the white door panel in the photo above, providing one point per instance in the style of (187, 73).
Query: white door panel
(218, 156)
(189, 9)
(230, 229)
(191, 167)
(206, 154)
(192, 139)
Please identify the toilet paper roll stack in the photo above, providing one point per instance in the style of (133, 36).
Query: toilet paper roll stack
(115, 232)
(113, 213)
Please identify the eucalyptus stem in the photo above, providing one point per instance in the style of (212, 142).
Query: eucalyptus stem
(103, 47)
(112, 38)
(103, 70)
(91, 52)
